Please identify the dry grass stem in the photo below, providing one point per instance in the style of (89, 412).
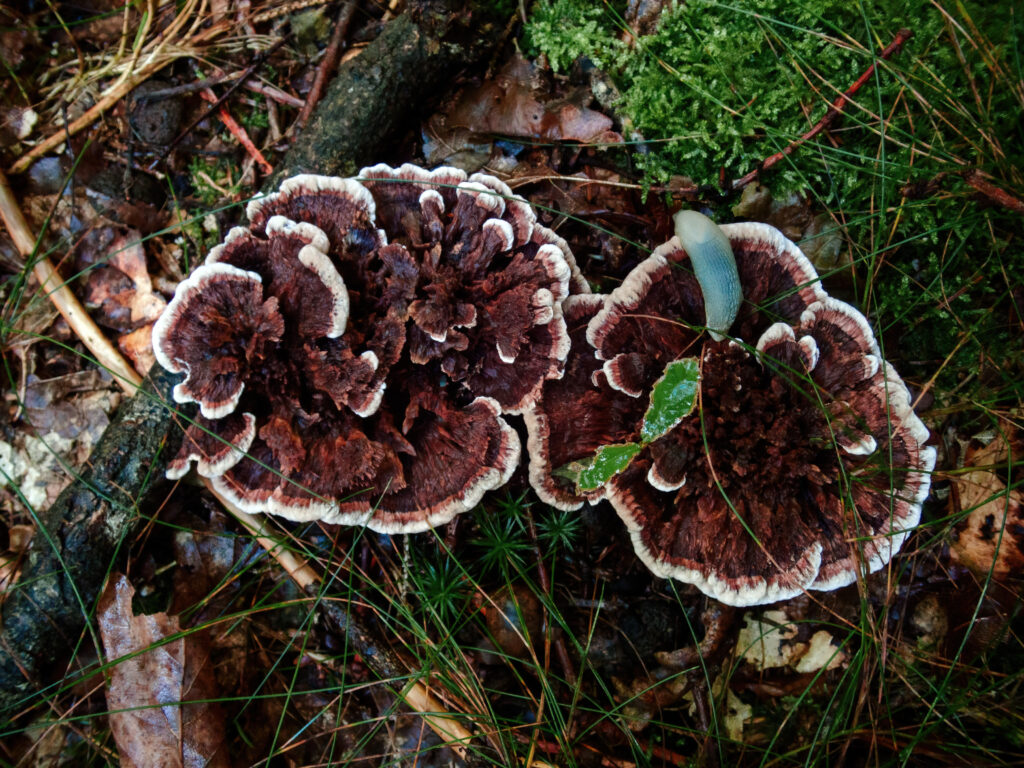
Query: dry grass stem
(62, 297)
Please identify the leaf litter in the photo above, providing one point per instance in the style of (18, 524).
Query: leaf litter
(161, 690)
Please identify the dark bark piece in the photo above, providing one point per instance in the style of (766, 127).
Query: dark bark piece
(87, 524)
(374, 94)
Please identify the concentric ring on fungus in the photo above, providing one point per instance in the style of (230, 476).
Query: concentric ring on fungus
(804, 465)
(353, 350)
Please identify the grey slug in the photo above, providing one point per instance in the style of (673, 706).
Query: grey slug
(715, 267)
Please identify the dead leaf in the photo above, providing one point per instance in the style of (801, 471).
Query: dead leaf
(120, 288)
(36, 462)
(513, 104)
(770, 640)
(819, 237)
(642, 17)
(992, 535)
(158, 697)
(138, 348)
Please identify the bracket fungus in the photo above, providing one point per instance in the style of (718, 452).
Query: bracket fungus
(802, 464)
(354, 348)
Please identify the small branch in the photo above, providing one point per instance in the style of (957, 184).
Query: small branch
(328, 63)
(275, 94)
(993, 193)
(834, 111)
(185, 88)
(545, 584)
(218, 101)
(974, 179)
(62, 297)
(237, 131)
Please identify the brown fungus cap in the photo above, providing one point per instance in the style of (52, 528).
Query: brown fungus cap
(354, 348)
(803, 465)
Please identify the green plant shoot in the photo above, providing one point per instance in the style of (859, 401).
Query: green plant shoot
(672, 399)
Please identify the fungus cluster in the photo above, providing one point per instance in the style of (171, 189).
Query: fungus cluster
(803, 464)
(353, 349)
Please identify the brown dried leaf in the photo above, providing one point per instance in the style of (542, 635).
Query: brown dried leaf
(818, 236)
(138, 348)
(642, 16)
(512, 104)
(121, 287)
(158, 696)
(992, 536)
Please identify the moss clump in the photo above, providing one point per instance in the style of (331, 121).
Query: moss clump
(719, 87)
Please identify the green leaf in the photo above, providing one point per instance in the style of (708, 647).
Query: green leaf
(595, 471)
(672, 398)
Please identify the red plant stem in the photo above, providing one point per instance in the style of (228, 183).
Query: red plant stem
(237, 131)
(992, 192)
(834, 111)
(545, 584)
(327, 64)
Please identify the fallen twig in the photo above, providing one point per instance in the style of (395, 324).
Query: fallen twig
(218, 101)
(373, 95)
(327, 63)
(975, 179)
(275, 94)
(834, 111)
(237, 131)
(62, 297)
(993, 193)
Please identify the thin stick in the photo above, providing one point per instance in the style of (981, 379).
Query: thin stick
(834, 111)
(992, 192)
(328, 63)
(237, 131)
(62, 297)
(281, 97)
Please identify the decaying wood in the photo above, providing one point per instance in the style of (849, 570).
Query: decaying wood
(375, 94)
(76, 539)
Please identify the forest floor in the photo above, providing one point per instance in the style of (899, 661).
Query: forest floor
(888, 143)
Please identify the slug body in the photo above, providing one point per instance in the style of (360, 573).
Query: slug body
(715, 267)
